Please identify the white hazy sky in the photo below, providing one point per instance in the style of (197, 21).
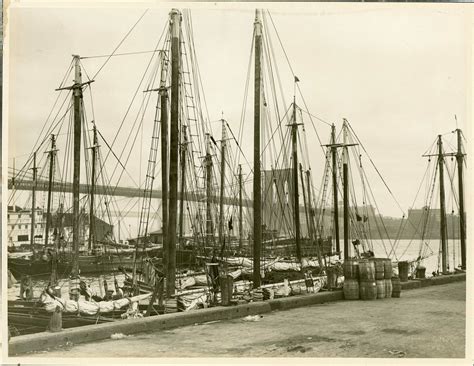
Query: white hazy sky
(398, 72)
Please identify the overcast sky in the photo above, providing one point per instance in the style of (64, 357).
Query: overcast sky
(399, 73)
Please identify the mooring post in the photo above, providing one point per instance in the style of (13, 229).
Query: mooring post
(56, 321)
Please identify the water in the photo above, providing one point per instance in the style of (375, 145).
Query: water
(409, 250)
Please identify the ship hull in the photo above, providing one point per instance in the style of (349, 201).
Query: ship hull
(87, 264)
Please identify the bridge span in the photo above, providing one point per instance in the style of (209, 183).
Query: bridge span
(42, 185)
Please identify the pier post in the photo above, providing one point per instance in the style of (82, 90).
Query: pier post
(56, 321)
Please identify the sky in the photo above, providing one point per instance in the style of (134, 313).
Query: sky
(398, 72)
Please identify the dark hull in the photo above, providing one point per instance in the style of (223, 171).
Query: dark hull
(27, 317)
(87, 265)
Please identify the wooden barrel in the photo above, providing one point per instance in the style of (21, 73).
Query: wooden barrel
(351, 289)
(387, 271)
(403, 271)
(379, 268)
(380, 289)
(367, 290)
(420, 272)
(388, 288)
(396, 287)
(351, 269)
(366, 270)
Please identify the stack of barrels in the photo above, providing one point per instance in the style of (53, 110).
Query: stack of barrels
(369, 279)
(351, 279)
(367, 284)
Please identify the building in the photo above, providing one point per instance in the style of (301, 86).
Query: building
(19, 226)
(63, 222)
(154, 237)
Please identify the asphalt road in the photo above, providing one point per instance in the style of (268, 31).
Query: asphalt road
(427, 322)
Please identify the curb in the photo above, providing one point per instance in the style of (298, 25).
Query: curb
(90, 333)
(433, 281)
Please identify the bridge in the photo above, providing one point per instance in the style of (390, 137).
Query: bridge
(42, 185)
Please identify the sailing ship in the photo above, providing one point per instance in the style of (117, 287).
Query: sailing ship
(451, 230)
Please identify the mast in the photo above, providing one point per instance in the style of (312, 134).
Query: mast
(91, 208)
(164, 162)
(462, 222)
(33, 206)
(334, 188)
(345, 178)
(52, 158)
(257, 204)
(296, 203)
(305, 202)
(311, 217)
(50, 189)
(175, 20)
(77, 92)
(240, 207)
(442, 205)
(221, 196)
(184, 145)
(208, 161)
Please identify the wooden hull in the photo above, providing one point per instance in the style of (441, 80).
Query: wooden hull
(27, 317)
(87, 265)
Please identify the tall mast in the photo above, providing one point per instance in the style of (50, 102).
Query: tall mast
(311, 217)
(92, 193)
(221, 196)
(175, 20)
(334, 188)
(257, 203)
(296, 203)
(164, 161)
(208, 161)
(305, 202)
(184, 146)
(442, 204)
(77, 92)
(52, 158)
(240, 207)
(33, 206)
(462, 222)
(345, 160)
(52, 154)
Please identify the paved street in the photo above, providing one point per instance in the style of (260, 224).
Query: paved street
(428, 322)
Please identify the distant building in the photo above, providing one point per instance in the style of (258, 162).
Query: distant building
(154, 237)
(19, 226)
